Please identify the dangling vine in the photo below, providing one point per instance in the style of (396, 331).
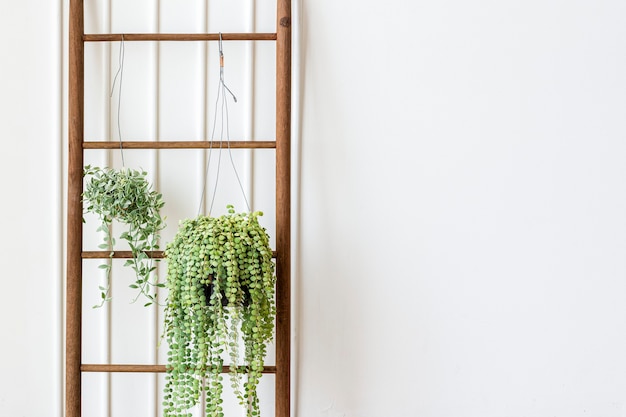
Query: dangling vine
(126, 196)
(220, 277)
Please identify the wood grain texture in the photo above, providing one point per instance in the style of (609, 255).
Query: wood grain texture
(77, 145)
(125, 254)
(180, 144)
(283, 208)
(147, 368)
(112, 37)
(73, 334)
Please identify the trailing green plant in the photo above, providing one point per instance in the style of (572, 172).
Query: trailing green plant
(220, 277)
(126, 196)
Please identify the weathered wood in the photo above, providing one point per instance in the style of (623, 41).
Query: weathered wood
(112, 37)
(179, 145)
(119, 254)
(125, 254)
(77, 145)
(148, 368)
(283, 208)
(73, 335)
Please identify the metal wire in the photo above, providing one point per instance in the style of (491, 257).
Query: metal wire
(221, 103)
(120, 74)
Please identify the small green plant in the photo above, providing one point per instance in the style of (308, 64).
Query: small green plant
(126, 196)
(220, 277)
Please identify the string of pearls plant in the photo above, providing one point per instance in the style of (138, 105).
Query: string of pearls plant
(220, 277)
(126, 196)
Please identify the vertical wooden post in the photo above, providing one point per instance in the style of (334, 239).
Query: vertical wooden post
(74, 211)
(283, 207)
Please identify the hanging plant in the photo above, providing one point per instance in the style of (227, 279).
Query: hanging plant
(126, 196)
(220, 277)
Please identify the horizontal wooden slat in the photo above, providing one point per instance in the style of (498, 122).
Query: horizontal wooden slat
(147, 368)
(110, 37)
(126, 254)
(120, 254)
(266, 144)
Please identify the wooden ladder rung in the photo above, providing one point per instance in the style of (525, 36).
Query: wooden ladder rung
(77, 41)
(120, 254)
(126, 254)
(147, 368)
(111, 37)
(243, 144)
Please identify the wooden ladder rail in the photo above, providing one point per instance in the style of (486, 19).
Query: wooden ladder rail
(76, 147)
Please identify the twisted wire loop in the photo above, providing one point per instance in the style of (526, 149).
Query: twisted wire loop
(221, 106)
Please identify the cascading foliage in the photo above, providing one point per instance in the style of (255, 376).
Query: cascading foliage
(126, 196)
(220, 277)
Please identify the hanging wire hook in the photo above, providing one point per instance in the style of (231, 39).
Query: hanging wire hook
(221, 53)
(224, 128)
(222, 69)
(120, 73)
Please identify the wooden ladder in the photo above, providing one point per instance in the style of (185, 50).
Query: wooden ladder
(76, 147)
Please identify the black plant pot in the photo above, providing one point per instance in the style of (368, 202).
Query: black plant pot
(208, 292)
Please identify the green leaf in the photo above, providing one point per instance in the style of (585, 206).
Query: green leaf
(126, 197)
(201, 247)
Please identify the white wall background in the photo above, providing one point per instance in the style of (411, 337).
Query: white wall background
(461, 206)
(463, 239)
(30, 214)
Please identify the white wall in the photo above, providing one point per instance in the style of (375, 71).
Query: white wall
(463, 222)
(461, 229)
(30, 220)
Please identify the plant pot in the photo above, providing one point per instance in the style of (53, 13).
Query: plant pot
(208, 292)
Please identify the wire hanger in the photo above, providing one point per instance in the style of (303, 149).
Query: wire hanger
(224, 134)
